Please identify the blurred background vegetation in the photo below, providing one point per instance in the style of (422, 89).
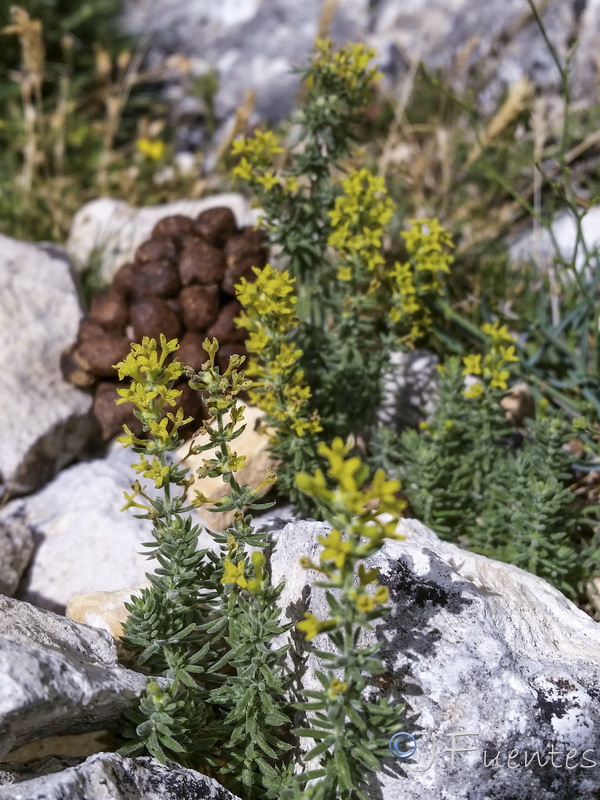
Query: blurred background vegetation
(75, 104)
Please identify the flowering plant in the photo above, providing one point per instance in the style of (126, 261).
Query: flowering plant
(320, 368)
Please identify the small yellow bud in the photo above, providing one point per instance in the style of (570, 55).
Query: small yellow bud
(336, 688)
(382, 595)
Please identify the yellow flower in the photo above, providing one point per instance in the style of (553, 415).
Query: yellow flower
(234, 573)
(258, 149)
(499, 333)
(336, 549)
(350, 473)
(385, 491)
(235, 462)
(268, 180)
(474, 391)
(152, 148)
(129, 439)
(302, 426)
(365, 603)
(508, 353)
(243, 170)
(336, 688)
(472, 365)
(239, 146)
(291, 185)
(382, 595)
(315, 485)
(153, 471)
(499, 379)
(367, 576)
(313, 627)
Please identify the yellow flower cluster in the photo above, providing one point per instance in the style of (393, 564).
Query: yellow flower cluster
(154, 149)
(350, 496)
(358, 220)
(356, 504)
(349, 64)
(235, 573)
(268, 301)
(261, 147)
(269, 315)
(150, 390)
(492, 366)
(255, 166)
(336, 688)
(427, 243)
(416, 283)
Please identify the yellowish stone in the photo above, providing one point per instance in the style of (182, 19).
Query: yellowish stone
(254, 444)
(104, 610)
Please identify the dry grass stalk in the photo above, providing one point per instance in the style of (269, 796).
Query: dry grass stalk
(523, 21)
(115, 97)
(400, 124)
(33, 53)
(326, 18)
(240, 124)
(30, 79)
(519, 95)
(539, 127)
(59, 116)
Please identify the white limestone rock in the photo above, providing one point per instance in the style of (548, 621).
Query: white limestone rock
(472, 646)
(57, 676)
(537, 246)
(110, 230)
(83, 541)
(104, 776)
(45, 421)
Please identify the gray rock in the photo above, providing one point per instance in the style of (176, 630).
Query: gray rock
(83, 541)
(16, 547)
(489, 661)
(45, 421)
(253, 46)
(475, 49)
(57, 676)
(104, 776)
(107, 231)
(409, 388)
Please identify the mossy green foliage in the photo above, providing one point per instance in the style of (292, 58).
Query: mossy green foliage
(468, 477)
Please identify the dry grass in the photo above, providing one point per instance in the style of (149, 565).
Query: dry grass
(67, 145)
